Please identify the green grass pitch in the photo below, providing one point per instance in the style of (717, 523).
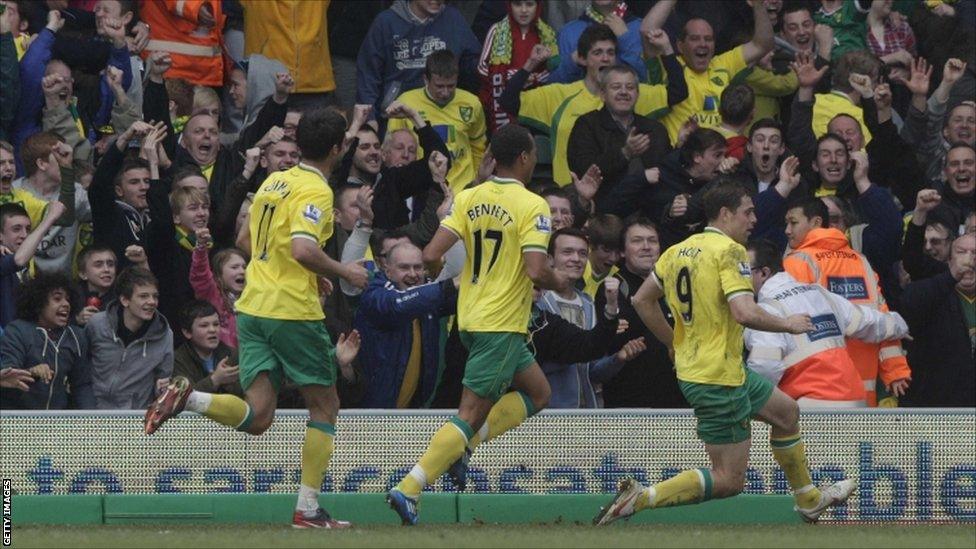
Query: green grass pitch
(563, 536)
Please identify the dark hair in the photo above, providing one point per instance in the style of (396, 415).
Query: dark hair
(32, 296)
(605, 230)
(698, 142)
(847, 211)
(184, 171)
(811, 207)
(767, 255)
(341, 190)
(364, 128)
(552, 190)
(11, 209)
(91, 250)
(831, 136)
(510, 142)
(736, 104)
(948, 113)
(567, 231)
(683, 31)
(636, 220)
(133, 276)
(724, 192)
(379, 237)
(764, 123)
(193, 310)
(441, 63)
(953, 146)
(131, 164)
(793, 7)
(593, 34)
(318, 132)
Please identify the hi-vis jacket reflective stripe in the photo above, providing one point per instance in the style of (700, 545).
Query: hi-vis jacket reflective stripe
(195, 50)
(826, 258)
(815, 366)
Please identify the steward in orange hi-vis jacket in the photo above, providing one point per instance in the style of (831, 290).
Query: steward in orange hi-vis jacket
(825, 257)
(191, 32)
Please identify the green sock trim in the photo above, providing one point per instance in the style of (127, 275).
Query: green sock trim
(464, 427)
(529, 407)
(246, 424)
(784, 442)
(326, 428)
(707, 475)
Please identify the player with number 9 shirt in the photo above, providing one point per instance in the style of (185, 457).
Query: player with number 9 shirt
(706, 280)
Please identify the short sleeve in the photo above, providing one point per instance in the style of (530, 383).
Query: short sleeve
(734, 271)
(732, 61)
(456, 221)
(535, 226)
(311, 216)
(652, 101)
(535, 109)
(660, 270)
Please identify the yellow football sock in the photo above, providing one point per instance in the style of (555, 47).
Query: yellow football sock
(509, 412)
(445, 447)
(691, 486)
(791, 456)
(229, 410)
(316, 453)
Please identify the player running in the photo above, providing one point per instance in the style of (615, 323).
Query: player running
(706, 281)
(279, 318)
(505, 229)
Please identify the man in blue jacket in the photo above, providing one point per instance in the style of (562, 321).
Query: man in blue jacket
(399, 319)
(396, 47)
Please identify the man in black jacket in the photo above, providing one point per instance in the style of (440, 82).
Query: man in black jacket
(647, 381)
(941, 313)
(615, 138)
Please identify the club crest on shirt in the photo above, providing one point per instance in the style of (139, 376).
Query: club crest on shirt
(543, 224)
(744, 269)
(312, 213)
(466, 113)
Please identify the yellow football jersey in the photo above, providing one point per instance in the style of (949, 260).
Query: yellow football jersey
(554, 108)
(699, 276)
(828, 105)
(704, 91)
(498, 221)
(460, 123)
(35, 206)
(293, 204)
(592, 281)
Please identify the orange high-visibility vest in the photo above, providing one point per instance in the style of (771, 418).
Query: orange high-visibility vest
(195, 49)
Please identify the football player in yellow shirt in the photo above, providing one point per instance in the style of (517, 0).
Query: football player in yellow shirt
(707, 282)
(708, 74)
(505, 229)
(456, 115)
(279, 319)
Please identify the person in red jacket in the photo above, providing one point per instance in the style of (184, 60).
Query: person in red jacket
(191, 32)
(508, 45)
(824, 256)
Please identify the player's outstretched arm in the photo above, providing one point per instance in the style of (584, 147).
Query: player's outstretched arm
(645, 302)
(309, 255)
(745, 311)
(438, 246)
(538, 270)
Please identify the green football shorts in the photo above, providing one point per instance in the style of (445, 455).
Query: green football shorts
(493, 360)
(724, 412)
(298, 349)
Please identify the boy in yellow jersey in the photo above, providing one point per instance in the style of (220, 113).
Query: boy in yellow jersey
(456, 115)
(708, 75)
(279, 318)
(706, 281)
(505, 229)
(554, 108)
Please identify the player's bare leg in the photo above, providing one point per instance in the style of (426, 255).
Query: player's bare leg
(323, 409)
(783, 415)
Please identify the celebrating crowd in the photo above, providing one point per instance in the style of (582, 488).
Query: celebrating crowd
(135, 134)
